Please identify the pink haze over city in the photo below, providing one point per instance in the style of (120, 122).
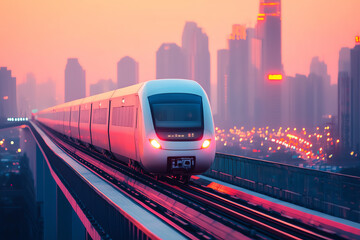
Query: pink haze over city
(39, 36)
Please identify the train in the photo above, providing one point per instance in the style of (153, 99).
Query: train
(162, 127)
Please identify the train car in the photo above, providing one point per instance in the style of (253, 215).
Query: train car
(164, 127)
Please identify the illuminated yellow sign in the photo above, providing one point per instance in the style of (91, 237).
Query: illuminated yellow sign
(275, 77)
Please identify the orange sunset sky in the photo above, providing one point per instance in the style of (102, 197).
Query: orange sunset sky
(39, 35)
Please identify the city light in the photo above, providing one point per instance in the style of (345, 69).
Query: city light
(357, 39)
(275, 77)
(6, 97)
(11, 119)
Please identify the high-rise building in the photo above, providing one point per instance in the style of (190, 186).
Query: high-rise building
(127, 72)
(344, 60)
(330, 97)
(355, 97)
(222, 117)
(254, 69)
(269, 93)
(298, 107)
(238, 80)
(26, 96)
(75, 84)
(344, 99)
(195, 45)
(102, 86)
(8, 107)
(46, 95)
(316, 96)
(170, 62)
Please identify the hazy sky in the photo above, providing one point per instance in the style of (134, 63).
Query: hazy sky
(39, 35)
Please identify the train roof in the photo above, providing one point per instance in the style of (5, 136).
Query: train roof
(157, 86)
(172, 85)
(128, 90)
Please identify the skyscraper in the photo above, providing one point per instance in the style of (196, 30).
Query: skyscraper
(102, 86)
(344, 99)
(75, 85)
(170, 62)
(222, 117)
(195, 45)
(254, 64)
(316, 94)
(298, 107)
(344, 60)
(329, 97)
(26, 93)
(127, 72)
(355, 97)
(46, 96)
(8, 107)
(238, 80)
(268, 29)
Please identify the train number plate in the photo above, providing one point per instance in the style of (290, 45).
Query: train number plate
(181, 163)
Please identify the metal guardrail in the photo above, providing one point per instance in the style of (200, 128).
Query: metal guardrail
(104, 217)
(331, 193)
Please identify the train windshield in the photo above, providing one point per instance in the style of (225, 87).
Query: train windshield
(177, 116)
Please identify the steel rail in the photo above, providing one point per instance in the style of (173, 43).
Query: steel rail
(231, 214)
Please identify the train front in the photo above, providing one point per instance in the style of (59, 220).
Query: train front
(178, 136)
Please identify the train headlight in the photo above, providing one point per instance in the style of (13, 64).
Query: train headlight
(206, 143)
(155, 143)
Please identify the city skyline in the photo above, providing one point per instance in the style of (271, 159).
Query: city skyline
(49, 42)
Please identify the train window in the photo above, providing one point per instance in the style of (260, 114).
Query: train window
(99, 116)
(123, 116)
(74, 116)
(177, 116)
(66, 116)
(60, 116)
(84, 116)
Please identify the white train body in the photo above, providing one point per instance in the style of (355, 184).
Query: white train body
(165, 126)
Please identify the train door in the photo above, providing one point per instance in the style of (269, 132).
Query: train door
(136, 131)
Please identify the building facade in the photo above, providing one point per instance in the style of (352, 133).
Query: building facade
(269, 91)
(75, 83)
(103, 85)
(222, 117)
(355, 97)
(344, 109)
(238, 83)
(127, 72)
(344, 100)
(8, 107)
(170, 62)
(195, 45)
(26, 96)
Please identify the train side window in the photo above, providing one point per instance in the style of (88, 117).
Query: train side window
(84, 116)
(66, 116)
(123, 116)
(99, 116)
(74, 116)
